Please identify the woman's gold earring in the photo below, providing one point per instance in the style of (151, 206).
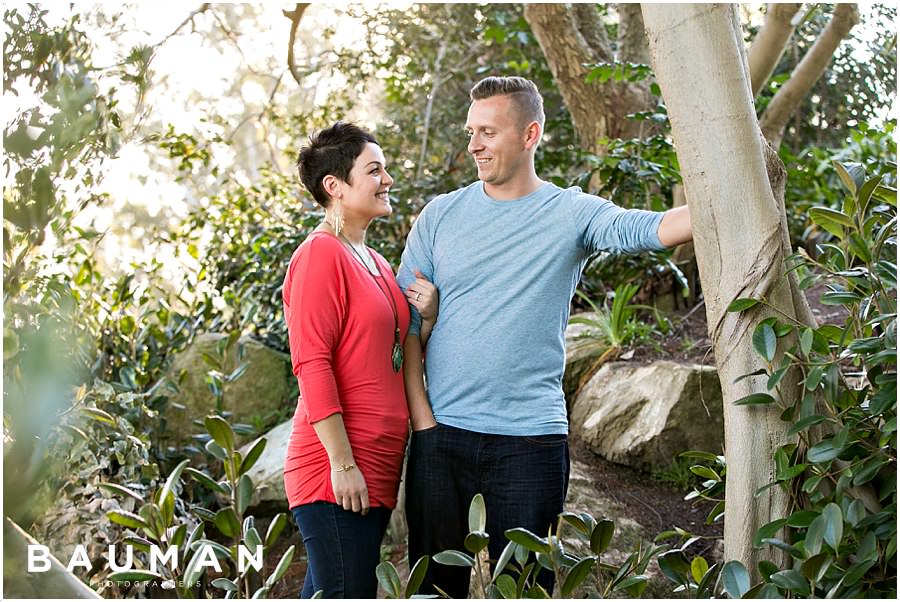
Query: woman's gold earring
(338, 219)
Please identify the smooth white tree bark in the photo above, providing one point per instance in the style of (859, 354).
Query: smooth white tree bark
(701, 66)
(770, 42)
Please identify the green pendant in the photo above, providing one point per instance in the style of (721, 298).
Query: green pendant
(397, 356)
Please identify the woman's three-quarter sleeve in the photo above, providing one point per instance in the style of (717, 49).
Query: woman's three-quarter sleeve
(315, 307)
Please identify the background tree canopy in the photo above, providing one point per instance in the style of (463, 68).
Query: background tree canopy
(150, 196)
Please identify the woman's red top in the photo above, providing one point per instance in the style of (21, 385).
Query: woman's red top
(341, 332)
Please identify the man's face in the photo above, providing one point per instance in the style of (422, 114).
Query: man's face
(497, 140)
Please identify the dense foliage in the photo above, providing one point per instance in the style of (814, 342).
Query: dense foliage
(87, 350)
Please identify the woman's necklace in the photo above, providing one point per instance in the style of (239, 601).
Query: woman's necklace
(397, 349)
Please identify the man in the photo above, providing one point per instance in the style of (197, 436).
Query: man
(505, 254)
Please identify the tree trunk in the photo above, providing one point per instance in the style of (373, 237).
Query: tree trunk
(740, 239)
(598, 110)
(633, 46)
(775, 118)
(770, 42)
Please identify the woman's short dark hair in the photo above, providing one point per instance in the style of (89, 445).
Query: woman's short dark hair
(331, 151)
(522, 92)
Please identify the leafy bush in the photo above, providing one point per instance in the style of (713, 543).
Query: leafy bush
(841, 470)
(514, 574)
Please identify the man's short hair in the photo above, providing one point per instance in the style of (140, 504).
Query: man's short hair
(331, 152)
(521, 91)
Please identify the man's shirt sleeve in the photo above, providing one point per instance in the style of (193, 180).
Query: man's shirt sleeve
(417, 256)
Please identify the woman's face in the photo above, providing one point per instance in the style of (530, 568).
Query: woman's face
(365, 196)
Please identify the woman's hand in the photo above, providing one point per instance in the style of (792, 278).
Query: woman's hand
(350, 490)
(423, 295)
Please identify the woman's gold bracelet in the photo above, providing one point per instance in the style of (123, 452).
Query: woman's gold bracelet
(344, 468)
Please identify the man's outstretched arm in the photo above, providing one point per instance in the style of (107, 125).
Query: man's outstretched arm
(675, 227)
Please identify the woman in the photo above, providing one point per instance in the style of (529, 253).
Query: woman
(347, 322)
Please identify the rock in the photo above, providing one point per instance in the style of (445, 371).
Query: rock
(263, 389)
(56, 582)
(268, 472)
(643, 416)
(582, 351)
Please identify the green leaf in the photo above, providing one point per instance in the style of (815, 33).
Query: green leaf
(216, 450)
(126, 519)
(767, 531)
(252, 539)
(98, 415)
(253, 455)
(699, 567)
(227, 522)
(205, 480)
(454, 558)
(417, 576)
(477, 513)
(244, 493)
(806, 340)
(119, 489)
(887, 194)
(755, 399)
(577, 575)
(227, 584)
(840, 298)
(275, 528)
(814, 567)
(824, 451)
(476, 541)
(792, 580)
(801, 518)
(852, 175)
(281, 568)
(765, 341)
(830, 220)
(790, 549)
(507, 586)
(528, 540)
(602, 535)
(170, 482)
(705, 472)
(134, 575)
(577, 522)
(221, 432)
(834, 525)
(742, 304)
(804, 423)
(736, 579)
(674, 565)
(389, 579)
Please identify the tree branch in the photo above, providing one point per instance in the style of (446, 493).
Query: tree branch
(807, 73)
(770, 42)
(633, 47)
(592, 30)
(295, 16)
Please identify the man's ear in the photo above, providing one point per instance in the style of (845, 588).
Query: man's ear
(533, 134)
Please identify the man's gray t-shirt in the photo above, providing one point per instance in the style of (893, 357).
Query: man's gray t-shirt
(506, 272)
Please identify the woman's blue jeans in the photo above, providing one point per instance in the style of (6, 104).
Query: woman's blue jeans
(523, 481)
(342, 549)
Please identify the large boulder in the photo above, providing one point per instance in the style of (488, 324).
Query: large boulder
(268, 472)
(644, 415)
(56, 582)
(261, 391)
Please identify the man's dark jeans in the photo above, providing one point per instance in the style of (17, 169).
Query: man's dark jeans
(523, 481)
(342, 547)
